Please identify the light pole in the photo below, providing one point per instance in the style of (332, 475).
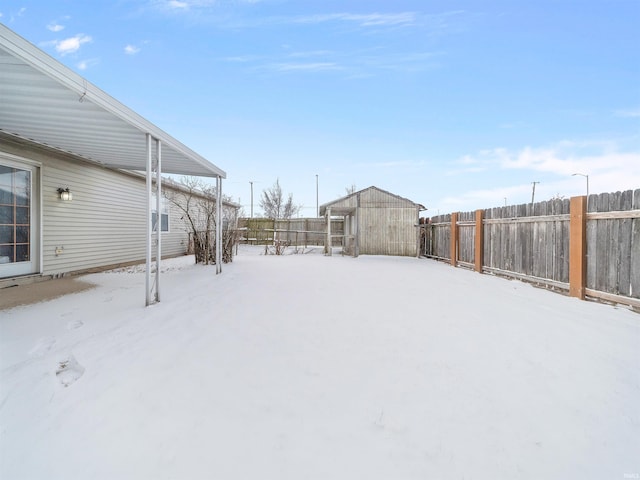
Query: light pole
(317, 209)
(585, 176)
(251, 183)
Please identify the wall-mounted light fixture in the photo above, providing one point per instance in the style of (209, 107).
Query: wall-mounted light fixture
(65, 194)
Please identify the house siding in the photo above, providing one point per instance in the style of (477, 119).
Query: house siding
(104, 224)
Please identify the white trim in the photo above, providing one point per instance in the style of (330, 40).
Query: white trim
(165, 205)
(35, 211)
(47, 65)
(218, 225)
(159, 215)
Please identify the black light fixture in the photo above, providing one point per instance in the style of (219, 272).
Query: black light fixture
(65, 194)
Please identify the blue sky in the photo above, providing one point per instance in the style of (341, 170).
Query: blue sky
(456, 105)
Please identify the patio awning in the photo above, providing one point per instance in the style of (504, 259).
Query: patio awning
(45, 102)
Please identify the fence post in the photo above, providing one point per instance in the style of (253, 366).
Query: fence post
(479, 242)
(578, 247)
(329, 243)
(454, 239)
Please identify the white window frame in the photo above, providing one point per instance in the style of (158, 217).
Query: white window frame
(164, 208)
(36, 240)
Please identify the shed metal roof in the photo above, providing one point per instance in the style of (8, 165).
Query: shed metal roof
(347, 204)
(45, 102)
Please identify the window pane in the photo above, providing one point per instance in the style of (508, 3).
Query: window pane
(6, 215)
(6, 234)
(154, 221)
(165, 222)
(6, 253)
(6, 176)
(22, 196)
(22, 234)
(22, 253)
(21, 178)
(22, 215)
(6, 197)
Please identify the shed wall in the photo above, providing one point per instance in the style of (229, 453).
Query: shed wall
(387, 231)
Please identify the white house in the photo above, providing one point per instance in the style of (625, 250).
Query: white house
(72, 197)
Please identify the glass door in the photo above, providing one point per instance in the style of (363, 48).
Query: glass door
(18, 255)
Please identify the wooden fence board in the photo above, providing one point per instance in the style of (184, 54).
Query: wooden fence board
(602, 242)
(634, 254)
(592, 245)
(533, 241)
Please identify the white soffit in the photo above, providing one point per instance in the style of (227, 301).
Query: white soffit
(43, 101)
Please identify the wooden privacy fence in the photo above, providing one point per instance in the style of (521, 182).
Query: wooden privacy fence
(589, 248)
(294, 231)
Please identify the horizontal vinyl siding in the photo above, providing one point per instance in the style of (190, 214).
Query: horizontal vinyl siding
(104, 224)
(174, 242)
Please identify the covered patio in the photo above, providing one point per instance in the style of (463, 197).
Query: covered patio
(45, 103)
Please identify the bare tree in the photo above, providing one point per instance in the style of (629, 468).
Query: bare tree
(197, 202)
(275, 206)
(351, 189)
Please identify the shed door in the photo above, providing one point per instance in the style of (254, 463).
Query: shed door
(18, 214)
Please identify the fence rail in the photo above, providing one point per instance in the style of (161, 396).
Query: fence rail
(296, 231)
(548, 242)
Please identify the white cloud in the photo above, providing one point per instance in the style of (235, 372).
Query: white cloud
(364, 20)
(562, 158)
(312, 53)
(242, 58)
(609, 169)
(85, 64)
(394, 164)
(131, 49)
(72, 44)
(485, 198)
(304, 67)
(633, 113)
(13, 16)
(55, 27)
(176, 4)
(555, 161)
(356, 64)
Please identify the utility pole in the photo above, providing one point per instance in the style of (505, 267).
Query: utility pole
(251, 183)
(533, 192)
(317, 209)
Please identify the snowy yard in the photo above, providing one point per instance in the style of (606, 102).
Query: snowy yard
(313, 367)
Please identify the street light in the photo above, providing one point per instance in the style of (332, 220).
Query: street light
(251, 183)
(585, 176)
(317, 209)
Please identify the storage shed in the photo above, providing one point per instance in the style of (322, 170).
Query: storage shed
(70, 195)
(376, 222)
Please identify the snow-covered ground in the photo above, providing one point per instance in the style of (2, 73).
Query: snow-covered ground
(314, 367)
